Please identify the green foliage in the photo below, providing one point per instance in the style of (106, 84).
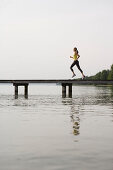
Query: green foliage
(104, 75)
(110, 76)
(97, 76)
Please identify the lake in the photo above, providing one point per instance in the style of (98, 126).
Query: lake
(48, 132)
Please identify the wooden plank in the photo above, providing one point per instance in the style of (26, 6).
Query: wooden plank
(60, 81)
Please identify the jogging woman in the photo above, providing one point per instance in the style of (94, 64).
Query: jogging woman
(76, 62)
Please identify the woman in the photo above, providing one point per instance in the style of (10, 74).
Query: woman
(76, 62)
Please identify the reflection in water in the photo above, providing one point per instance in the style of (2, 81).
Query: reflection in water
(36, 132)
(101, 98)
(74, 112)
(76, 123)
(111, 91)
(74, 115)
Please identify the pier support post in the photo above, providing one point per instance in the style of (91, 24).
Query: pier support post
(16, 84)
(26, 91)
(16, 91)
(63, 90)
(70, 90)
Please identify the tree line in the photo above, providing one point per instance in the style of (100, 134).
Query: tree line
(103, 75)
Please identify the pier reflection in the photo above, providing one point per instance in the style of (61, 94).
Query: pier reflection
(77, 104)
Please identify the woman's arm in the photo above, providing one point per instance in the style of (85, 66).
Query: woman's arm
(71, 57)
(78, 56)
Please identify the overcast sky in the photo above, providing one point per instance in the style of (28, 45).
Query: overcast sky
(37, 37)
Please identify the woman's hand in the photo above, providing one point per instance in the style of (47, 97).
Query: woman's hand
(71, 57)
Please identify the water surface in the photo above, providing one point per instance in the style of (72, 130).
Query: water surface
(48, 132)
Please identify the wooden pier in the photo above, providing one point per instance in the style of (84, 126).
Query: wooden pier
(63, 83)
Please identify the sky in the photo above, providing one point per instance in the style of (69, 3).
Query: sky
(37, 37)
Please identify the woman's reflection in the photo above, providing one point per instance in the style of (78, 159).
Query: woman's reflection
(74, 115)
(75, 120)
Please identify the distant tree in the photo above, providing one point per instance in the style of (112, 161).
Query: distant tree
(110, 76)
(89, 78)
(97, 76)
(104, 75)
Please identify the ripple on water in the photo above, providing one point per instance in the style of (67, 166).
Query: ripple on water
(51, 132)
